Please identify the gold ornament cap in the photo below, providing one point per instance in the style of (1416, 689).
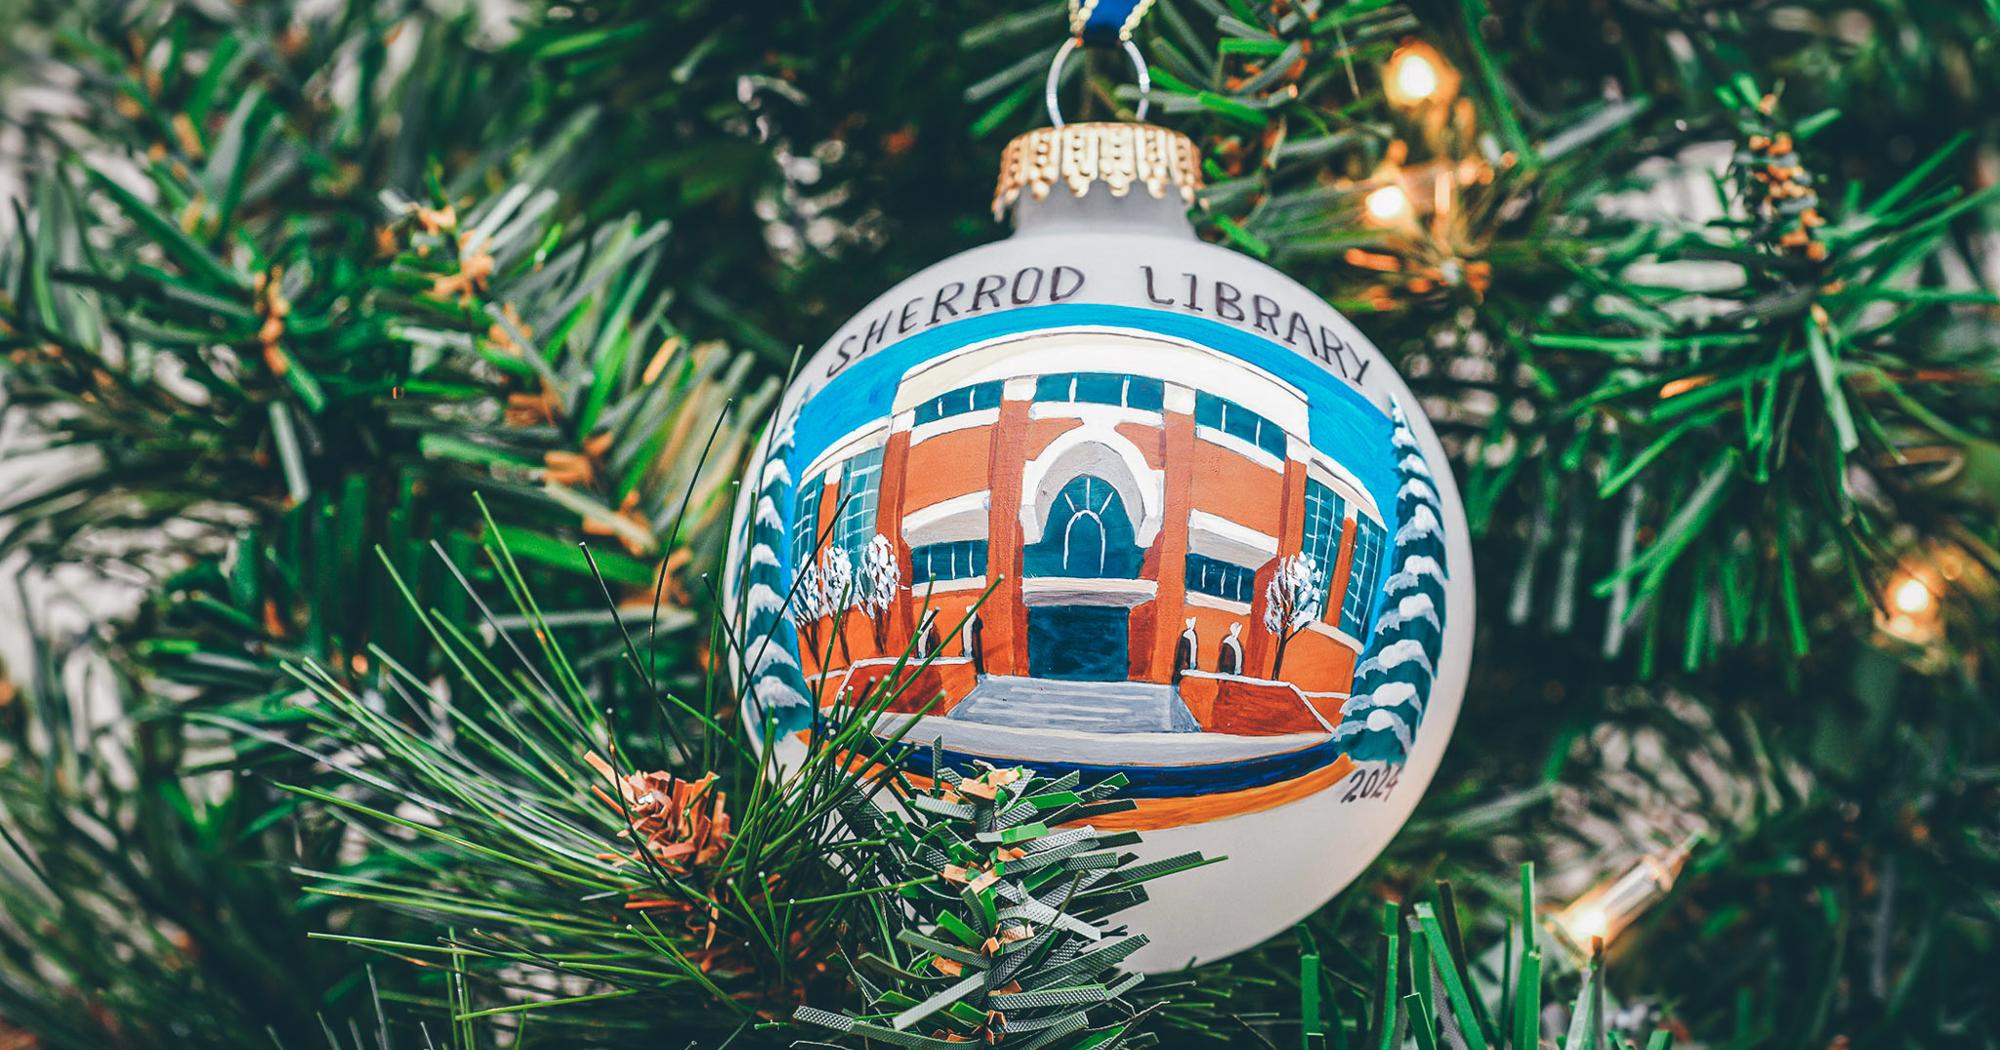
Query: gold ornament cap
(1077, 157)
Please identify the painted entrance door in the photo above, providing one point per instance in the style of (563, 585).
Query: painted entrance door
(1089, 535)
(1078, 643)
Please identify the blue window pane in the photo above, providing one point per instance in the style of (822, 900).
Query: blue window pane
(1100, 388)
(1054, 388)
(1270, 438)
(985, 396)
(955, 560)
(958, 402)
(1088, 534)
(1208, 410)
(805, 521)
(860, 489)
(1321, 540)
(1222, 579)
(1144, 393)
(1241, 424)
(1363, 579)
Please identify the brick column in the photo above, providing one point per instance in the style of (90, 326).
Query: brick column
(889, 522)
(1004, 617)
(1169, 605)
(1262, 646)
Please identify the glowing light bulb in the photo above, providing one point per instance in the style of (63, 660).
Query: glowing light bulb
(1387, 204)
(1608, 908)
(1911, 597)
(1911, 609)
(1588, 925)
(1415, 77)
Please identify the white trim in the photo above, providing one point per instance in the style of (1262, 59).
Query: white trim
(1201, 600)
(963, 583)
(1215, 536)
(1178, 399)
(871, 436)
(1087, 590)
(1327, 471)
(958, 518)
(1086, 449)
(1223, 439)
(978, 417)
(1107, 348)
(1091, 412)
(1321, 627)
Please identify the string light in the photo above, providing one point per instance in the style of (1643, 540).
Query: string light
(1913, 597)
(1911, 611)
(1608, 908)
(1387, 204)
(1417, 75)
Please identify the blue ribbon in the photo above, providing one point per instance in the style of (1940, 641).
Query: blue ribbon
(1105, 23)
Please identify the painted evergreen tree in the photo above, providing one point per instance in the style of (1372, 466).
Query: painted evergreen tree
(1393, 682)
(770, 651)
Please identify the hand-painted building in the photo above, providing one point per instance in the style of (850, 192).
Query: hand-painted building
(1083, 528)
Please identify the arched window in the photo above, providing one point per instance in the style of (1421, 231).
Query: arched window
(1089, 534)
(973, 643)
(1185, 652)
(1231, 660)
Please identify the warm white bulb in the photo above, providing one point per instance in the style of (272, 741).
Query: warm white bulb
(1415, 77)
(1587, 925)
(1387, 204)
(1911, 597)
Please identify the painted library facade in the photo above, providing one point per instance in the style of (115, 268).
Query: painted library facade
(1070, 510)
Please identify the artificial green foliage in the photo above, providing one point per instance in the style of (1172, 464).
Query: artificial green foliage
(285, 285)
(1006, 936)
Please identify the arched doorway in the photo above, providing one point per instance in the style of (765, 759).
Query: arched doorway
(1088, 535)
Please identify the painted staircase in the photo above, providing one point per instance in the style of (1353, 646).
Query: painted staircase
(1088, 707)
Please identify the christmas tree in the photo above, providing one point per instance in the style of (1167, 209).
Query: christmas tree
(377, 380)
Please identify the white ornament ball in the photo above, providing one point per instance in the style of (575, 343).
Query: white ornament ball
(1103, 497)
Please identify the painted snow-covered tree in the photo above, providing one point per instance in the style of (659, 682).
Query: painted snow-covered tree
(810, 605)
(1393, 682)
(839, 592)
(881, 578)
(1292, 601)
(778, 687)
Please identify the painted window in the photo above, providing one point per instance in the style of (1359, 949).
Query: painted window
(1088, 534)
(1363, 581)
(1206, 575)
(958, 402)
(805, 521)
(860, 491)
(1239, 422)
(1324, 510)
(1102, 388)
(955, 560)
